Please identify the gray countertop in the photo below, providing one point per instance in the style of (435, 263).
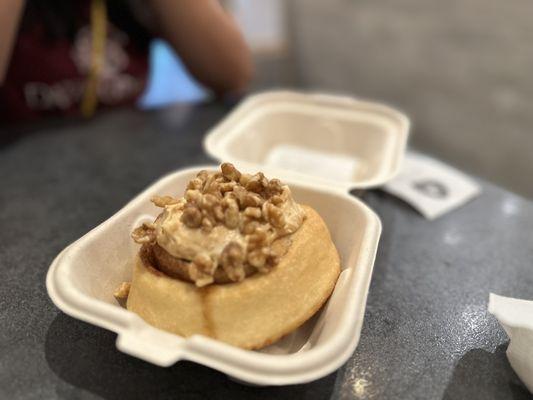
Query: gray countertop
(426, 334)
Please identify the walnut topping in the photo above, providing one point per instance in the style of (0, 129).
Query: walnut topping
(144, 233)
(257, 183)
(162, 201)
(227, 186)
(276, 200)
(208, 202)
(257, 258)
(253, 212)
(273, 189)
(207, 225)
(245, 178)
(231, 218)
(195, 184)
(193, 195)
(202, 175)
(122, 291)
(202, 270)
(230, 172)
(258, 238)
(273, 215)
(192, 217)
(239, 193)
(249, 227)
(204, 263)
(218, 212)
(210, 184)
(232, 259)
(230, 202)
(252, 200)
(228, 225)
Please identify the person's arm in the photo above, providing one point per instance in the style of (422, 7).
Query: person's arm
(10, 12)
(207, 40)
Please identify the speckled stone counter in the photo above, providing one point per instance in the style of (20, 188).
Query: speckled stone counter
(426, 335)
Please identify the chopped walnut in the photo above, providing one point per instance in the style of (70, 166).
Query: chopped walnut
(218, 213)
(253, 212)
(208, 202)
(214, 189)
(202, 175)
(257, 259)
(273, 189)
(207, 224)
(211, 179)
(227, 186)
(252, 200)
(249, 227)
(144, 233)
(231, 196)
(276, 200)
(203, 280)
(274, 215)
(195, 184)
(230, 202)
(245, 178)
(231, 218)
(257, 183)
(230, 172)
(202, 269)
(232, 259)
(258, 238)
(122, 291)
(204, 263)
(193, 195)
(192, 217)
(162, 201)
(240, 193)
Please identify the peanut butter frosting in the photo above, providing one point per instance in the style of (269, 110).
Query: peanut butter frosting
(227, 226)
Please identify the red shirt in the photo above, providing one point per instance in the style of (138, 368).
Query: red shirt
(48, 77)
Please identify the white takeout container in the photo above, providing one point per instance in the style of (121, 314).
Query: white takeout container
(266, 132)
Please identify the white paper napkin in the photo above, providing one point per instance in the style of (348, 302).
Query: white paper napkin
(430, 186)
(516, 317)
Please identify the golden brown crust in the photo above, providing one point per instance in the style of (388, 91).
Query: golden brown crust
(296, 324)
(253, 313)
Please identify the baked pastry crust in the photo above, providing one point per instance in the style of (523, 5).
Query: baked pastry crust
(250, 314)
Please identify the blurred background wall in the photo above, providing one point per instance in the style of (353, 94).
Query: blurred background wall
(461, 69)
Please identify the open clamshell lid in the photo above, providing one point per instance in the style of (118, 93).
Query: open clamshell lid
(317, 139)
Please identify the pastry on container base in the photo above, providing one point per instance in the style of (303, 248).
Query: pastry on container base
(249, 314)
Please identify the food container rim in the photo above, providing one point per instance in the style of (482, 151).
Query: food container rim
(215, 142)
(249, 366)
